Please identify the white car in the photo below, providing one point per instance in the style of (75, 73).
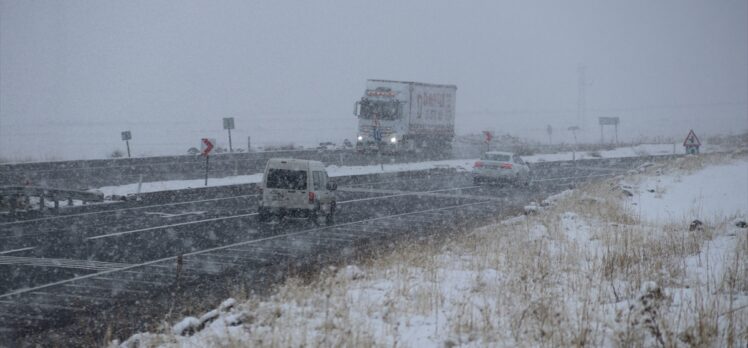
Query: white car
(297, 188)
(496, 166)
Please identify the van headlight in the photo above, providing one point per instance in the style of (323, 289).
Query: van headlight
(393, 140)
(360, 138)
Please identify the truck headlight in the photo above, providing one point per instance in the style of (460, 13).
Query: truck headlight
(360, 138)
(393, 140)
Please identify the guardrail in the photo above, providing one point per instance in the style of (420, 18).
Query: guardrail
(609, 167)
(541, 169)
(86, 174)
(12, 196)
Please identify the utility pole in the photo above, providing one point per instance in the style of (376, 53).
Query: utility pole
(574, 130)
(228, 124)
(616, 125)
(581, 97)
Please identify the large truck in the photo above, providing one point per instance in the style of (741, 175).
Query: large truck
(399, 116)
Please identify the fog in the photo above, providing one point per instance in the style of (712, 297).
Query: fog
(74, 74)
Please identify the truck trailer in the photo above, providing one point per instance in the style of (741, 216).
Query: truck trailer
(400, 116)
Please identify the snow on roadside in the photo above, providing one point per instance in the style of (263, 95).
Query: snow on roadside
(630, 151)
(579, 272)
(334, 170)
(716, 192)
(124, 190)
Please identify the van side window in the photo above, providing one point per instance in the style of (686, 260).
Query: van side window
(318, 184)
(324, 179)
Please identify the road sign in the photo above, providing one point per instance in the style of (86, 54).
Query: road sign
(126, 136)
(605, 121)
(228, 123)
(488, 136)
(692, 143)
(206, 145)
(691, 140)
(608, 121)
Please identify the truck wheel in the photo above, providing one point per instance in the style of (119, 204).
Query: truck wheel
(476, 181)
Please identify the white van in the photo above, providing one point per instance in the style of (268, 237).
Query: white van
(297, 188)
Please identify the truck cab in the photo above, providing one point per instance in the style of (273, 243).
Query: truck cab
(297, 188)
(403, 116)
(381, 126)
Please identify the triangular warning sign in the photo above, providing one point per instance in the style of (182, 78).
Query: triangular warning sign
(691, 139)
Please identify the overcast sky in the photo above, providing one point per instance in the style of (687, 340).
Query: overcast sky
(73, 74)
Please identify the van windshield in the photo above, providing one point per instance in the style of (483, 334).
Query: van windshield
(286, 179)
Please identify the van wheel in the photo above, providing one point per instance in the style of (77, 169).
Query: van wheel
(314, 215)
(330, 217)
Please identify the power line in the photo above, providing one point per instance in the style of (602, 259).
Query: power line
(611, 109)
(581, 98)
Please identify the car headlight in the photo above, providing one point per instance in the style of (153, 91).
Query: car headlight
(360, 138)
(393, 140)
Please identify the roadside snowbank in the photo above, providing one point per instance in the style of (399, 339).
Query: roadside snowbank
(716, 192)
(631, 151)
(581, 271)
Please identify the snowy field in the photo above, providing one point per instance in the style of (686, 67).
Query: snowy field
(461, 165)
(609, 264)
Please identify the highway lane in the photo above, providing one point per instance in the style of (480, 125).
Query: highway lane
(171, 207)
(22, 234)
(153, 238)
(133, 235)
(137, 246)
(181, 198)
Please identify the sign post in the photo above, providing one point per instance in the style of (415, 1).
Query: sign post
(206, 145)
(126, 136)
(574, 130)
(488, 136)
(228, 124)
